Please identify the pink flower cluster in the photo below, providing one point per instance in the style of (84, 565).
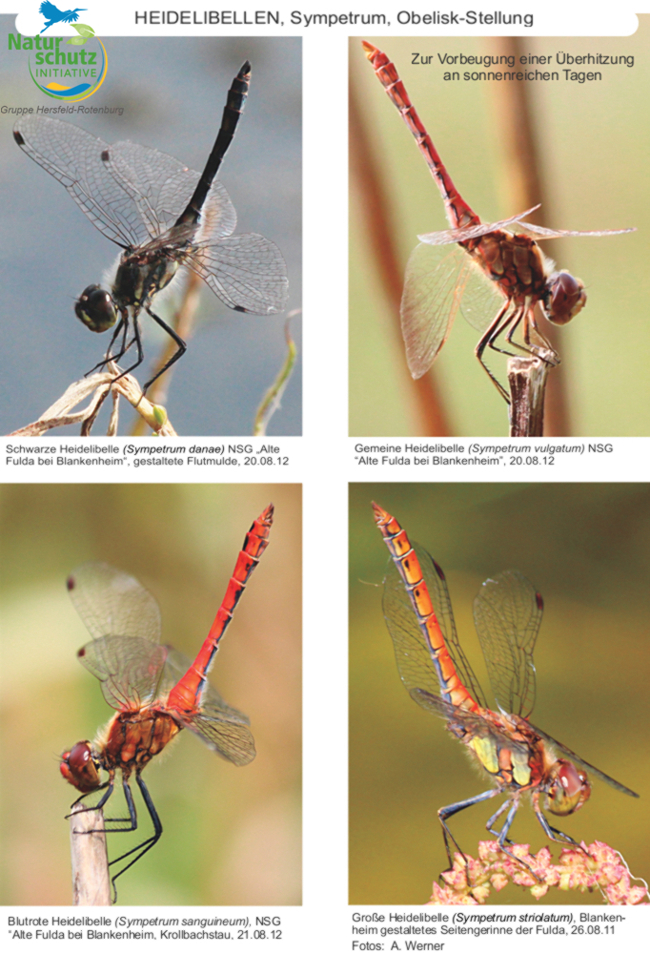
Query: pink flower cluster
(597, 866)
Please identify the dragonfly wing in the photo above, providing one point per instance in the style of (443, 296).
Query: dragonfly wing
(449, 235)
(110, 602)
(482, 299)
(433, 287)
(541, 232)
(507, 614)
(412, 653)
(160, 187)
(128, 668)
(474, 724)
(584, 764)
(73, 157)
(223, 728)
(437, 706)
(247, 272)
(226, 732)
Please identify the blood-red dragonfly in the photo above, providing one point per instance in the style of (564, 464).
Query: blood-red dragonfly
(499, 263)
(155, 690)
(515, 754)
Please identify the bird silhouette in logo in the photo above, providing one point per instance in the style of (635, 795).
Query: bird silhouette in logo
(53, 15)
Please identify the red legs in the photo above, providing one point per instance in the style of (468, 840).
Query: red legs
(507, 324)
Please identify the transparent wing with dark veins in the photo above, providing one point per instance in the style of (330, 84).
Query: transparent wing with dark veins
(124, 620)
(160, 187)
(129, 192)
(247, 272)
(441, 280)
(73, 157)
(584, 764)
(507, 614)
(111, 602)
(129, 669)
(411, 647)
(460, 721)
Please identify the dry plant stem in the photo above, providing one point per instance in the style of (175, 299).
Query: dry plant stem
(98, 387)
(524, 174)
(91, 885)
(527, 378)
(271, 400)
(375, 206)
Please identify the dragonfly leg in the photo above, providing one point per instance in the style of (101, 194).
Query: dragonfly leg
(123, 326)
(449, 811)
(503, 839)
(552, 832)
(490, 824)
(95, 807)
(544, 352)
(553, 358)
(136, 339)
(147, 844)
(511, 325)
(492, 332)
(180, 345)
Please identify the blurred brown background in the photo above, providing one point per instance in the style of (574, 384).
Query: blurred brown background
(586, 547)
(231, 835)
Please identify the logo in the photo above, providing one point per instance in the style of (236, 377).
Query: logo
(66, 75)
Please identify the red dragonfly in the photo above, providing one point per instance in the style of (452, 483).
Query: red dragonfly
(507, 613)
(515, 267)
(155, 690)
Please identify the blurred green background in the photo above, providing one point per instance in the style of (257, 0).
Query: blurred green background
(231, 835)
(586, 547)
(594, 140)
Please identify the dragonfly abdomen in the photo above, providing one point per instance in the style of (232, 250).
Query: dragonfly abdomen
(458, 211)
(408, 565)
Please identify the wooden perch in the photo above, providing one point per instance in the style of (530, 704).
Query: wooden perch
(527, 378)
(91, 885)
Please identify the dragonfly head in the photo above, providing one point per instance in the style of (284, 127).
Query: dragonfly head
(567, 789)
(79, 767)
(96, 309)
(565, 296)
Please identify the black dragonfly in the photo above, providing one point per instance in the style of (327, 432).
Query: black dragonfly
(163, 216)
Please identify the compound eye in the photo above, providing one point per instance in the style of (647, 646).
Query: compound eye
(564, 298)
(95, 309)
(78, 767)
(568, 788)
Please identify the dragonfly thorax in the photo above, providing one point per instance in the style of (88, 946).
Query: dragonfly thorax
(565, 297)
(143, 273)
(514, 262)
(132, 738)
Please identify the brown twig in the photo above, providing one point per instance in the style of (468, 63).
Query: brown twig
(527, 377)
(523, 167)
(375, 205)
(91, 885)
